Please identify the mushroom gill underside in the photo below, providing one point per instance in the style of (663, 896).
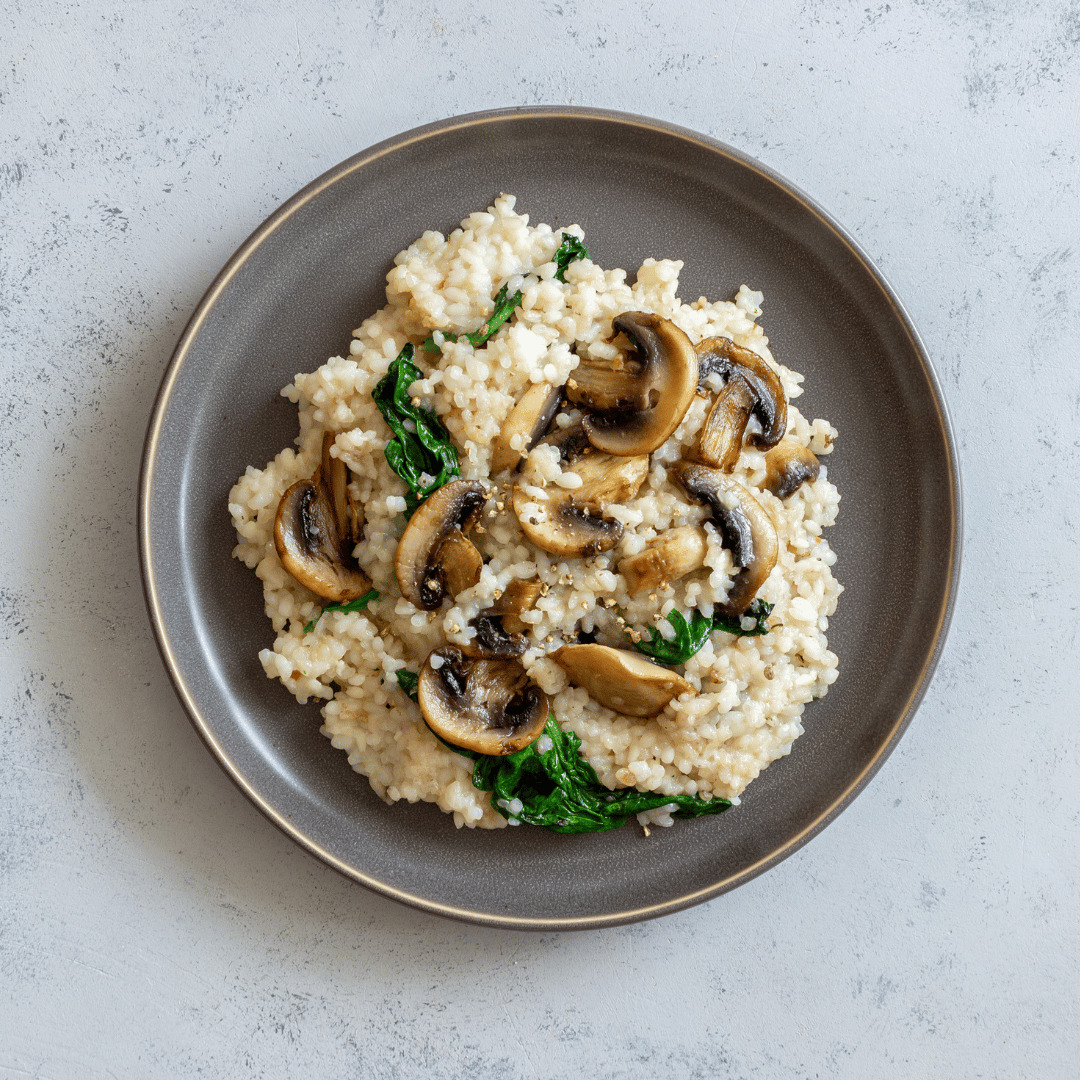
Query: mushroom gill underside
(478, 696)
(487, 706)
(316, 526)
(747, 530)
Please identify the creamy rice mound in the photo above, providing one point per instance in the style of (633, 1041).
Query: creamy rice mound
(748, 692)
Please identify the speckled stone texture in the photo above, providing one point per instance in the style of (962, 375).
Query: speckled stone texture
(153, 924)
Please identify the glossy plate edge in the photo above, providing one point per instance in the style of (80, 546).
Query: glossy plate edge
(153, 435)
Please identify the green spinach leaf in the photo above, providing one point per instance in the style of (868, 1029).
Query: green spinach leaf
(690, 637)
(759, 611)
(352, 605)
(570, 249)
(408, 681)
(558, 789)
(421, 444)
(504, 308)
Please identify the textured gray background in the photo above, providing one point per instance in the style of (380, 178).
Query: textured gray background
(153, 924)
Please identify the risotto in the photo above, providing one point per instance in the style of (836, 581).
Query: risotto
(547, 530)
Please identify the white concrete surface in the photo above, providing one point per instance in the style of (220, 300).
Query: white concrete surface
(152, 924)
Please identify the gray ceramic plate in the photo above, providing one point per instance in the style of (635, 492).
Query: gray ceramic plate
(290, 297)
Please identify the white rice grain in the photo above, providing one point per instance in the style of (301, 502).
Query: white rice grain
(750, 692)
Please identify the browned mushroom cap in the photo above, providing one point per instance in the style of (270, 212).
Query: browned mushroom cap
(720, 441)
(314, 546)
(529, 419)
(570, 521)
(487, 706)
(669, 376)
(621, 680)
(722, 356)
(667, 557)
(434, 559)
(745, 525)
(789, 465)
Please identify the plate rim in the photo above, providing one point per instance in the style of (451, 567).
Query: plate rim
(153, 438)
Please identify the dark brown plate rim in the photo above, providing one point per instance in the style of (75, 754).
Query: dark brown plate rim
(157, 617)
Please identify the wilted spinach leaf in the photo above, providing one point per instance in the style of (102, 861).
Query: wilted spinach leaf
(690, 637)
(560, 790)
(352, 605)
(570, 249)
(421, 444)
(408, 681)
(759, 611)
(504, 308)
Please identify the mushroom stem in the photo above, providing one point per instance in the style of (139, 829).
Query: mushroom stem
(529, 419)
(788, 466)
(609, 386)
(461, 563)
(747, 529)
(315, 529)
(720, 441)
(721, 355)
(664, 390)
(518, 596)
(349, 516)
(434, 559)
